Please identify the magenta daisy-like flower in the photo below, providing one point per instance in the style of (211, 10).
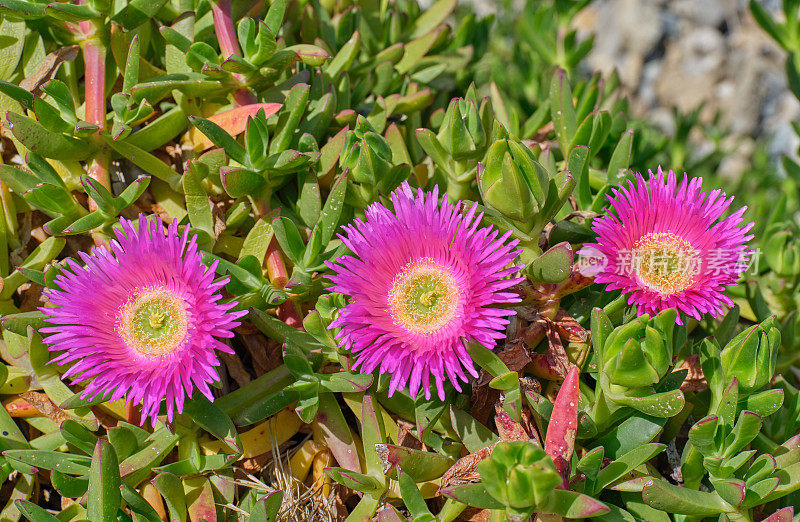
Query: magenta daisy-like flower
(423, 280)
(668, 246)
(140, 321)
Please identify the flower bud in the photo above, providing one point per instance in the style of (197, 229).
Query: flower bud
(751, 356)
(366, 154)
(462, 133)
(519, 474)
(512, 181)
(781, 252)
(639, 353)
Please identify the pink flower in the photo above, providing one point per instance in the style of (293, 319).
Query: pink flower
(669, 247)
(423, 280)
(140, 321)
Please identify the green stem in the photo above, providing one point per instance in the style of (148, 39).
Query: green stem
(459, 190)
(451, 510)
(530, 250)
(188, 446)
(600, 410)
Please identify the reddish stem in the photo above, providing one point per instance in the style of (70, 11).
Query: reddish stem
(223, 23)
(229, 45)
(276, 271)
(94, 59)
(133, 414)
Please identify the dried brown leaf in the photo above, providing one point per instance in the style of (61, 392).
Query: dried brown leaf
(695, 381)
(405, 436)
(510, 430)
(235, 368)
(551, 365)
(515, 355)
(475, 515)
(465, 470)
(31, 298)
(42, 402)
(569, 329)
(483, 398)
(49, 67)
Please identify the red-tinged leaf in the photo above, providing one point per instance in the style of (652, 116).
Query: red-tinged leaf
(388, 514)
(474, 495)
(336, 432)
(200, 499)
(356, 481)
(310, 54)
(782, 515)
(346, 117)
(634, 485)
(560, 440)
(239, 182)
(419, 465)
(331, 151)
(662, 495)
(573, 505)
(233, 121)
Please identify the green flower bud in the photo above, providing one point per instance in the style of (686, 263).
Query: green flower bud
(462, 133)
(512, 181)
(519, 474)
(781, 251)
(639, 353)
(366, 154)
(751, 356)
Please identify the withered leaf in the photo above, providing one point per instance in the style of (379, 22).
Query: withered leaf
(49, 67)
(465, 470)
(695, 381)
(569, 329)
(42, 402)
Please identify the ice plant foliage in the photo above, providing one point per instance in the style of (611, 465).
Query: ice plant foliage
(139, 320)
(668, 246)
(423, 279)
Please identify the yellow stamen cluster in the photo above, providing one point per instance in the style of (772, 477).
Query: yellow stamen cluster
(424, 296)
(665, 262)
(153, 322)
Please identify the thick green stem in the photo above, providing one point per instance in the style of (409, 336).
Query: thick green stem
(458, 191)
(530, 250)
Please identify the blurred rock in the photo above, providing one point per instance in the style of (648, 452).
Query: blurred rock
(683, 53)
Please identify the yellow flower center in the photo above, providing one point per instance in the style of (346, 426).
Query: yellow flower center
(424, 296)
(153, 322)
(665, 262)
